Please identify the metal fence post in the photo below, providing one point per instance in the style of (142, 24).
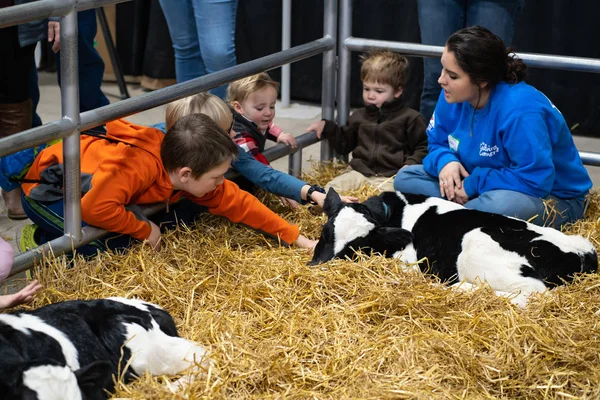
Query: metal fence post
(70, 110)
(344, 54)
(286, 29)
(329, 71)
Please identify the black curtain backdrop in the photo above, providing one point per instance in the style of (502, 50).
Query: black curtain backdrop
(560, 27)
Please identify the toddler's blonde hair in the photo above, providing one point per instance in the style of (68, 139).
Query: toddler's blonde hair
(384, 67)
(204, 103)
(242, 88)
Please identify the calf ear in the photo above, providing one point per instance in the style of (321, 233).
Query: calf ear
(332, 203)
(93, 379)
(392, 239)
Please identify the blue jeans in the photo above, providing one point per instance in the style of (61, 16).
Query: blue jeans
(438, 19)
(91, 69)
(91, 66)
(414, 179)
(203, 35)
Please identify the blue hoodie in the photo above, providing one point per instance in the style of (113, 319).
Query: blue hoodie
(519, 141)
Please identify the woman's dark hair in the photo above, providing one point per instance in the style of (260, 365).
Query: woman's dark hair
(484, 57)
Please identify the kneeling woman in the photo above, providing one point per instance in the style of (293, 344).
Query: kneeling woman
(497, 144)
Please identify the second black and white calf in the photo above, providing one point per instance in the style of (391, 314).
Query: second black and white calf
(71, 350)
(460, 245)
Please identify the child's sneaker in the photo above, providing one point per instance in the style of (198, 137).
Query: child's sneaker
(26, 241)
(26, 238)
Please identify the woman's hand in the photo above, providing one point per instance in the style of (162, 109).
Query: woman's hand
(305, 243)
(54, 35)
(154, 238)
(318, 127)
(450, 179)
(460, 196)
(24, 295)
(287, 138)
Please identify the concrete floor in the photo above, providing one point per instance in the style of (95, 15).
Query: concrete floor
(294, 119)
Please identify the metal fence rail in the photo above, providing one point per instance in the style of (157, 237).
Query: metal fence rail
(68, 128)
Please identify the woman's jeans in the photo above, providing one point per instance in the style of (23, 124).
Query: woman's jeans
(438, 19)
(414, 179)
(203, 35)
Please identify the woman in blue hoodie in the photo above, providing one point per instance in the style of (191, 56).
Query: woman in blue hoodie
(497, 144)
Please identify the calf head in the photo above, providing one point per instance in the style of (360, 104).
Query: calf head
(51, 380)
(358, 226)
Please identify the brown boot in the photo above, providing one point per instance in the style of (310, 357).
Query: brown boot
(14, 208)
(14, 118)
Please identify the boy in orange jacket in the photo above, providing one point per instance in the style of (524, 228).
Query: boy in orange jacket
(134, 165)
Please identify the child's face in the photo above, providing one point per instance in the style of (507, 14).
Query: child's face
(208, 181)
(259, 107)
(378, 93)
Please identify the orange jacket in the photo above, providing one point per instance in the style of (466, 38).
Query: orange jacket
(126, 168)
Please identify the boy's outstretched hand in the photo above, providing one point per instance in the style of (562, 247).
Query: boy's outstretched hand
(318, 127)
(287, 138)
(154, 239)
(24, 295)
(305, 243)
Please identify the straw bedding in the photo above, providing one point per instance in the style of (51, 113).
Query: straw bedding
(280, 329)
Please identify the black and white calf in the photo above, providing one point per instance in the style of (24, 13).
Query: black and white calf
(70, 350)
(461, 245)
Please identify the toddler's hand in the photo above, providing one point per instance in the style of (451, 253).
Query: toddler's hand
(305, 243)
(24, 295)
(287, 138)
(317, 126)
(293, 204)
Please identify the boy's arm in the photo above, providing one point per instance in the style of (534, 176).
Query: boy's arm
(249, 146)
(238, 206)
(344, 139)
(417, 140)
(268, 179)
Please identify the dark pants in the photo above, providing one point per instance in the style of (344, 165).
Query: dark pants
(49, 217)
(91, 69)
(14, 67)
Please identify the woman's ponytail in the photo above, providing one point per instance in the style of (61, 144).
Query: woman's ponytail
(515, 68)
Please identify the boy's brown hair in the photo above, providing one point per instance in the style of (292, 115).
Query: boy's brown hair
(197, 142)
(202, 102)
(384, 67)
(242, 88)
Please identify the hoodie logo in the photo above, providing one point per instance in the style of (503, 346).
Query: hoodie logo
(431, 123)
(485, 150)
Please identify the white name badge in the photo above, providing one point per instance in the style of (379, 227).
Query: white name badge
(453, 143)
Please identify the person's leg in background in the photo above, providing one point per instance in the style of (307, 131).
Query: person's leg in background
(438, 19)
(184, 35)
(15, 104)
(91, 66)
(215, 22)
(499, 16)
